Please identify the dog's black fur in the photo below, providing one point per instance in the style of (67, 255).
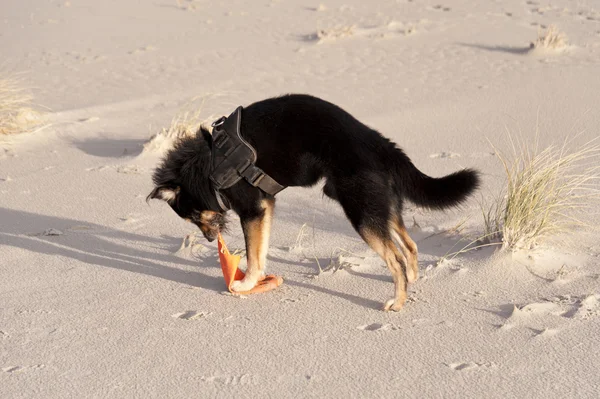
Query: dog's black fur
(301, 139)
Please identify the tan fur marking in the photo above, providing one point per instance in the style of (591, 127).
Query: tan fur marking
(207, 216)
(396, 263)
(257, 236)
(168, 195)
(409, 247)
(266, 234)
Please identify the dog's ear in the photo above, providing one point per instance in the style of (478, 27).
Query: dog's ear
(164, 193)
(206, 135)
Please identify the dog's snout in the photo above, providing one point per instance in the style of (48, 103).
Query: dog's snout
(211, 235)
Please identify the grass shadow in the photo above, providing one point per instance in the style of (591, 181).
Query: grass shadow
(110, 148)
(499, 49)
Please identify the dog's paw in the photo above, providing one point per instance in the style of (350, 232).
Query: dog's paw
(245, 284)
(393, 304)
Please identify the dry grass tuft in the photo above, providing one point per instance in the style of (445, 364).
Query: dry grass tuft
(16, 112)
(552, 39)
(184, 124)
(339, 32)
(548, 192)
(188, 5)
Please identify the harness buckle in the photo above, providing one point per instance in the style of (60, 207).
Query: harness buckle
(253, 174)
(219, 138)
(219, 122)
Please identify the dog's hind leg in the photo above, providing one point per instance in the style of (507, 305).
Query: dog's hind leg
(257, 230)
(409, 247)
(366, 203)
(396, 263)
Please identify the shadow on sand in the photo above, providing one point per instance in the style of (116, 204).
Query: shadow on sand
(106, 247)
(499, 49)
(102, 246)
(110, 148)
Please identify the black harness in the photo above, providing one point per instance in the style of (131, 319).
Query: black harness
(233, 158)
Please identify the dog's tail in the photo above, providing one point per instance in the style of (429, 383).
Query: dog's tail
(430, 192)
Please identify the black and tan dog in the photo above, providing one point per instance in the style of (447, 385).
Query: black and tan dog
(299, 140)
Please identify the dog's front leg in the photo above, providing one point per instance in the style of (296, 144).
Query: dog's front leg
(257, 230)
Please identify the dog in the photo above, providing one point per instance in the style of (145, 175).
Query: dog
(300, 140)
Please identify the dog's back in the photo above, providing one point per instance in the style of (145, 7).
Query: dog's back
(304, 138)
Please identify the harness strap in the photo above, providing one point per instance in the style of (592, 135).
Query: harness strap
(222, 201)
(255, 176)
(234, 158)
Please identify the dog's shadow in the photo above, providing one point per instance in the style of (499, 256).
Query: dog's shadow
(102, 246)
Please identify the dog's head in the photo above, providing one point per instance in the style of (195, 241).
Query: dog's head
(182, 181)
(210, 222)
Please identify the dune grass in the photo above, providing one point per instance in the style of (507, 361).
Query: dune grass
(184, 124)
(547, 192)
(16, 110)
(551, 39)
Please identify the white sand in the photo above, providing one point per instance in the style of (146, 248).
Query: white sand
(109, 304)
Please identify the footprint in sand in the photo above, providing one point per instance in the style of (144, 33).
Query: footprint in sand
(142, 50)
(378, 327)
(440, 7)
(89, 119)
(245, 379)
(331, 34)
(587, 308)
(97, 168)
(321, 7)
(545, 333)
(444, 155)
(86, 58)
(518, 314)
(129, 219)
(540, 308)
(47, 233)
(129, 169)
(187, 5)
(481, 155)
(20, 369)
(52, 232)
(191, 315)
(288, 300)
(7, 153)
(464, 366)
(565, 306)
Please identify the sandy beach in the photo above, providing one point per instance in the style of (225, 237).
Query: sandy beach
(103, 295)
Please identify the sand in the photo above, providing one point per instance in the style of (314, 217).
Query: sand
(104, 295)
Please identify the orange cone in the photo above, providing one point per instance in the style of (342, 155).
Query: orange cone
(231, 273)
